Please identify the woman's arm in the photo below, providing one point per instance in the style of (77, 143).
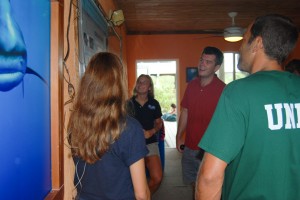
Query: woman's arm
(157, 126)
(138, 176)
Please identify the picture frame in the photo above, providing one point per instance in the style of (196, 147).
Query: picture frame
(191, 73)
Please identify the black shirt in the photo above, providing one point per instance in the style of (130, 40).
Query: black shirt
(146, 115)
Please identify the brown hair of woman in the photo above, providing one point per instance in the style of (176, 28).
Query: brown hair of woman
(98, 116)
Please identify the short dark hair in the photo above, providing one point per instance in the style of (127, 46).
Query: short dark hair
(293, 66)
(279, 35)
(214, 51)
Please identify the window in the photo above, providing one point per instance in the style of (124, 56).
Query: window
(229, 71)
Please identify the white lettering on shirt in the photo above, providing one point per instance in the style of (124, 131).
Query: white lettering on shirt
(291, 112)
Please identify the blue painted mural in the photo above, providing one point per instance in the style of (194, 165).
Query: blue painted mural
(25, 170)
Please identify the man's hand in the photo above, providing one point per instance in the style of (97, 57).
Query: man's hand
(180, 129)
(179, 142)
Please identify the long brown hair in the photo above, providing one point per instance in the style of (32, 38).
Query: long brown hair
(99, 112)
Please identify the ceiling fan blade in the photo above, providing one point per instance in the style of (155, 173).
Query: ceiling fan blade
(209, 36)
(211, 31)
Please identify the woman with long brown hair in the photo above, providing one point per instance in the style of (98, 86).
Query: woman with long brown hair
(108, 146)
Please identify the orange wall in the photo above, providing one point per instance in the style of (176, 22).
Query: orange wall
(185, 48)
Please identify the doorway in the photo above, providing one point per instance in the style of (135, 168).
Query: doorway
(164, 76)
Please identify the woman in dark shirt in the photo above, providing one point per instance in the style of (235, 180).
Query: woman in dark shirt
(108, 146)
(148, 112)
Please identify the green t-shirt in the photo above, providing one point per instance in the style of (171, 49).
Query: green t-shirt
(256, 130)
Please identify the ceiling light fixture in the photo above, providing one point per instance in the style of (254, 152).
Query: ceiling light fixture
(233, 33)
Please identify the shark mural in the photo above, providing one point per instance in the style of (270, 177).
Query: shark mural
(25, 170)
(13, 54)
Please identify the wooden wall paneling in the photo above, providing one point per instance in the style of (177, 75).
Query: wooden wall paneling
(56, 79)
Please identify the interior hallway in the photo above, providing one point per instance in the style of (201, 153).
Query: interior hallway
(172, 187)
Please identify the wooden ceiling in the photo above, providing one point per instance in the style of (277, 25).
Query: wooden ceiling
(198, 16)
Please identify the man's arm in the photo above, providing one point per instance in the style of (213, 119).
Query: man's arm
(210, 178)
(181, 127)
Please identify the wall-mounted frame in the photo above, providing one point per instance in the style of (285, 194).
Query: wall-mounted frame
(191, 73)
(92, 32)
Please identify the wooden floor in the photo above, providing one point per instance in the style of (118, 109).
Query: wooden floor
(172, 187)
(170, 134)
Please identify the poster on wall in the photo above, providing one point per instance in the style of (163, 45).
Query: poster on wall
(25, 170)
(191, 73)
(92, 32)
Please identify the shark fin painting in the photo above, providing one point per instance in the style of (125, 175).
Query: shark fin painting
(13, 53)
(25, 120)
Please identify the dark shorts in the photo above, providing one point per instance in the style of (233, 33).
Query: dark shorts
(190, 161)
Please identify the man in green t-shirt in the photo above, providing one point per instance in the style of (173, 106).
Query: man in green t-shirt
(252, 143)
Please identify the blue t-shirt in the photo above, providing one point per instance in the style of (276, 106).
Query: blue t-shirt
(109, 178)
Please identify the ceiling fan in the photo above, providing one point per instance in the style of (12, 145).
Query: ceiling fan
(230, 34)
(233, 33)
